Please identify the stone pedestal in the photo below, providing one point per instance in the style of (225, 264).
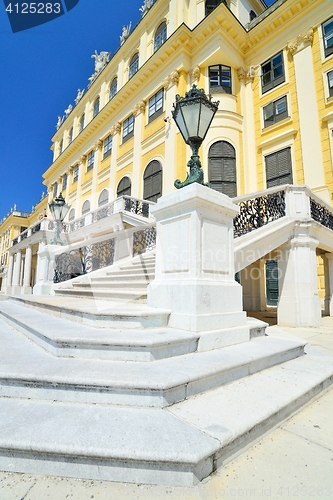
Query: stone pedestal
(195, 266)
(45, 270)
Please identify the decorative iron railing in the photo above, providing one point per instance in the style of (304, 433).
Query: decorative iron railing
(144, 240)
(258, 212)
(36, 228)
(138, 207)
(75, 225)
(321, 214)
(83, 260)
(103, 212)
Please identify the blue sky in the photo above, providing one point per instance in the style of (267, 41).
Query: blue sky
(41, 70)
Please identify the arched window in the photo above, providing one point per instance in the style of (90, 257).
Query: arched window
(124, 187)
(113, 88)
(103, 198)
(160, 36)
(222, 168)
(96, 107)
(152, 181)
(71, 215)
(134, 65)
(86, 207)
(82, 122)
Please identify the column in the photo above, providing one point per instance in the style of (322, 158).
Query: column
(249, 148)
(115, 132)
(301, 50)
(26, 288)
(329, 292)
(9, 279)
(16, 289)
(169, 169)
(94, 196)
(45, 269)
(195, 271)
(299, 303)
(138, 112)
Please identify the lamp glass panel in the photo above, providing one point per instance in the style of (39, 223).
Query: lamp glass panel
(206, 117)
(191, 115)
(179, 119)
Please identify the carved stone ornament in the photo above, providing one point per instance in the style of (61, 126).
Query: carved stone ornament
(115, 129)
(83, 158)
(195, 73)
(79, 95)
(60, 122)
(145, 7)
(171, 80)
(98, 145)
(300, 42)
(246, 75)
(139, 108)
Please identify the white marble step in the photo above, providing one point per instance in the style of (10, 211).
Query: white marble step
(179, 445)
(62, 337)
(97, 313)
(28, 371)
(140, 284)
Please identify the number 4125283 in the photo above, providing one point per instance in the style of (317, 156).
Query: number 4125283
(34, 8)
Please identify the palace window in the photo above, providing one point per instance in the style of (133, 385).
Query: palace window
(278, 168)
(107, 146)
(103, 198)
(64, 182)
(152, 181)
(156, 105)
(220, 79)
(71, 215)
(76, 173)
(96, 107)
(124, 187)
(90, 160)
(134, 65)
(327, 27)
(55, 190)
(222, 168)
(86, 207)
(128, 128)
(330, 83)
(211, 4)
(113, 88)
(275, 111)
(70, 136)
(272, 72)
(160, 36)
(81, 127)
(61, 146)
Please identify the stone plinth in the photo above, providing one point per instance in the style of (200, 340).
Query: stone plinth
(195, 266)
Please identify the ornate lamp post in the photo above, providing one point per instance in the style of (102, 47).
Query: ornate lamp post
(59, 209)
(193, 115)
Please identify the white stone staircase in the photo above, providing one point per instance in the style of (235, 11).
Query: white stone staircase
(106, 390)
(126, 281)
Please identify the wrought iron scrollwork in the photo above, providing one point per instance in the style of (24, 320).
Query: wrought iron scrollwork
(77, 224)
(321, 214)
(144, 240)
(83, 260)
(258, 212)
(137, 207)
(103, 212)
(36, 228)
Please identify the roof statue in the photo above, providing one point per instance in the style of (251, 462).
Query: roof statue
(79, 95)
(125, 33)
(68, 110)
(146, 6)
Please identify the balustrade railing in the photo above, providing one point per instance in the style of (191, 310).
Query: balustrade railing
(321, 214)
(259, 211)
(137, 207)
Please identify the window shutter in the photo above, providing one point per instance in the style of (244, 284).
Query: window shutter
(278, 168)
(222, 168)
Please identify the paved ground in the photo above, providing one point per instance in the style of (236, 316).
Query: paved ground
(294, 461)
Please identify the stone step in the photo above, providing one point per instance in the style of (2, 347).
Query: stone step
(106, 294)
(65, 338)
(128, 278)
(99, 314)
(131, 272)
(179, 446)
(107, 284)
(28, 371)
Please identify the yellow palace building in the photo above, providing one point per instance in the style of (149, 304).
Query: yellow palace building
(270, 68)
